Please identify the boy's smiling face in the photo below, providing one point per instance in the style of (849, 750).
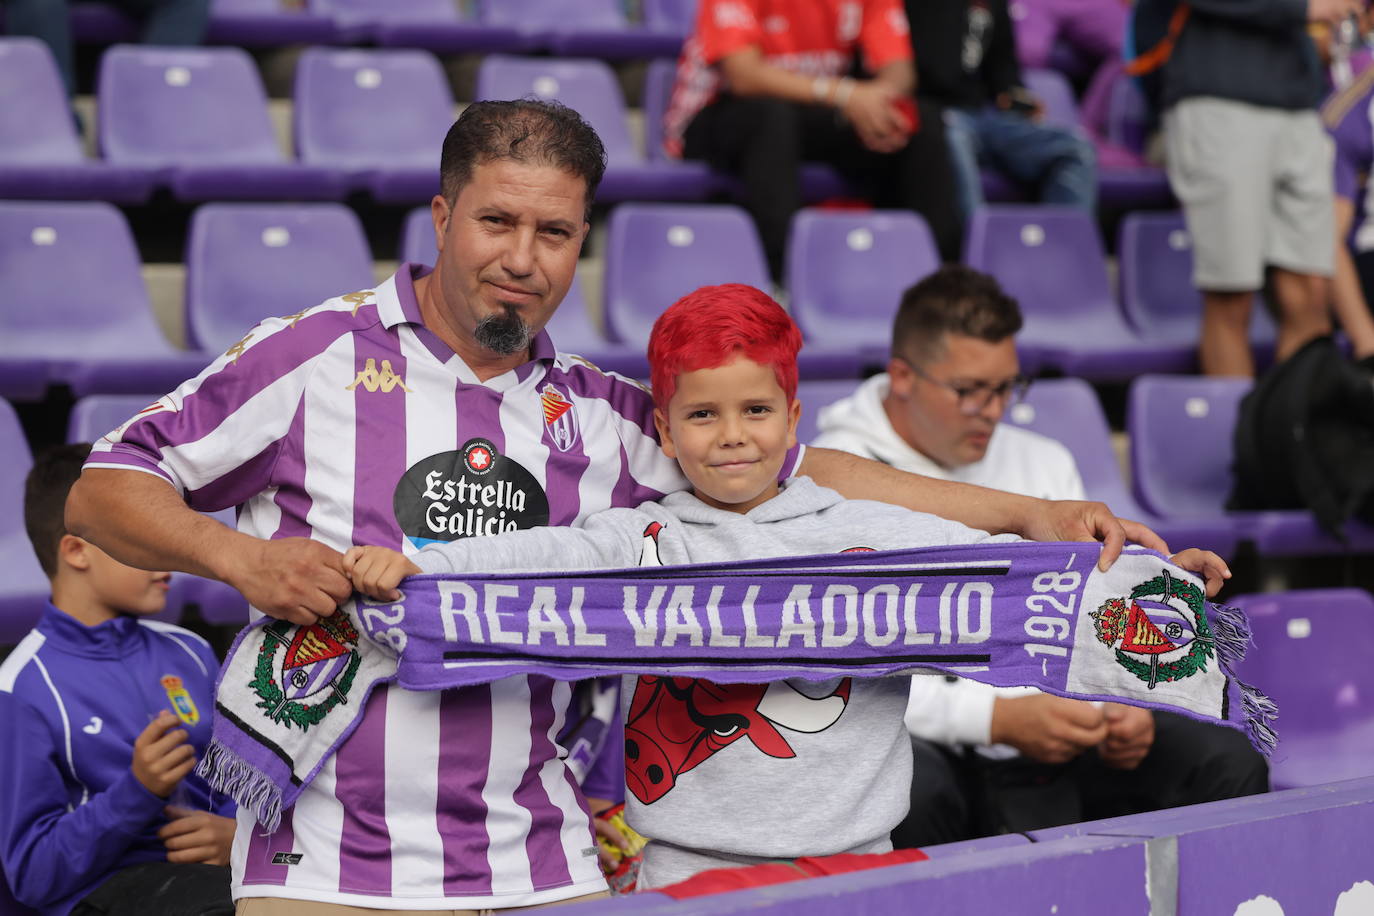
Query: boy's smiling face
(730, 429)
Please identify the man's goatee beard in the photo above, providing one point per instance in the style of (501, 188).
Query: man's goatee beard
(503, 334)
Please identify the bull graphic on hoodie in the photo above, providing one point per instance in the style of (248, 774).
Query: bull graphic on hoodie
(676, 723)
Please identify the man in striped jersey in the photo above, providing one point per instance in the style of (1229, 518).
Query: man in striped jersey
(431, 408)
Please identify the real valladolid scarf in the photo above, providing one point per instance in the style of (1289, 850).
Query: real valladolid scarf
(1019, 614)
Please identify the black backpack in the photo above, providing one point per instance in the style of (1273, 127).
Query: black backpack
(1304, 439)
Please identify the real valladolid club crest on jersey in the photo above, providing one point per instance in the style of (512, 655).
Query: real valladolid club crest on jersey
(560, 420)
(304, 672)
(1160, 632)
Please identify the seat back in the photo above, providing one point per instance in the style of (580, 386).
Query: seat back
(1049, 258)
(553, 15)
(1068, 411)
(1311, 655)
(677, 17)
(659, 78)
(247, 262)
(587, 86)
(1056, 94)
(371, 109)
(846, 273)
(184, 106)
(73, 281)
(815, 395)
(1180, 429)
(368, 12)
(35, 118)
(656, 253)
(19, 565)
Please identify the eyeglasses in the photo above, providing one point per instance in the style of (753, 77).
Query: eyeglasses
(974, 398)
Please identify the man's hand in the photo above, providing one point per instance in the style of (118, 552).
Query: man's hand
(1078, 520)
(1333, 11)
(376, 571)
(1130, 734)
(162, 758)
(1211, 567)
(197, 837)
(295, 579)
(871, 108)
(1047, 728)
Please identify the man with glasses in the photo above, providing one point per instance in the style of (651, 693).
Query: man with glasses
(987, 759)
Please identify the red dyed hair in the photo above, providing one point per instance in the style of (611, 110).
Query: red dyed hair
(706, 328)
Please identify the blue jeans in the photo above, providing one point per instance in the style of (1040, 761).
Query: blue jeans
(1059, 164)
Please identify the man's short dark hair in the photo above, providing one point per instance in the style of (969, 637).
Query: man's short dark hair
(953, 300)
(54, 472)
(524, 130)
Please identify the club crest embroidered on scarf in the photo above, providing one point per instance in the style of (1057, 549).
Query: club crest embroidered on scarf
(1160, 632)
(304, 672)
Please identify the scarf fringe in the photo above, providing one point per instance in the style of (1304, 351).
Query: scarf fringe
(1232, 635)
(227, 772)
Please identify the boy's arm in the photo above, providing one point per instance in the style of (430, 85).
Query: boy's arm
(607, 542)
(49, 850)
(978, 507)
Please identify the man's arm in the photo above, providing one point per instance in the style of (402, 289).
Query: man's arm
(978, 507)
(141, 520)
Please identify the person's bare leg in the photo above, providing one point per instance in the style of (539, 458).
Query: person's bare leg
(1225, 345)
(1303, 313)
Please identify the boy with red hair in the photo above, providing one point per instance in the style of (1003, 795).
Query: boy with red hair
(826, 766)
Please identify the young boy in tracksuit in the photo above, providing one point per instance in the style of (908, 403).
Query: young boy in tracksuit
(825, 766)
(102, 714)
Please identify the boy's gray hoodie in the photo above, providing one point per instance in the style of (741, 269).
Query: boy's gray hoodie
(733, 774)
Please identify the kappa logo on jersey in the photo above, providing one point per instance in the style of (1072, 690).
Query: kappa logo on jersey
(560, 420)
(371, 379)
(358, 299)
(473, 491)
(237, 350)
(181, 701)
(1160, 633)
(287, 858)
(304, 672)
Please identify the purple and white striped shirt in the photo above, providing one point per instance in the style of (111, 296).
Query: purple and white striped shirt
(351, 423)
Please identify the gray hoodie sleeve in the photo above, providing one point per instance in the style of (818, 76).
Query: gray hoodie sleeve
(606, 542)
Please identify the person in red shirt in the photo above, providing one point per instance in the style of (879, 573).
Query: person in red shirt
(764, 85)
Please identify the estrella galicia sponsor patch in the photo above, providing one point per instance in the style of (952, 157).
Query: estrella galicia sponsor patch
(304, 672)
(474, 491)
(181, 701)
(560, 419)
(287, 858)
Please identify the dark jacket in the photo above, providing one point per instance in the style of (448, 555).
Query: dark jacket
(1254, 51)
(963, 60)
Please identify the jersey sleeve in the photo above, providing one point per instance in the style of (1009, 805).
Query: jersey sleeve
(51, 850)
(217, 436)
(950, 711)
(885, 35)
(727, 26)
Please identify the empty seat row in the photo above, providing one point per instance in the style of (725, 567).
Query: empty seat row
(600, 28)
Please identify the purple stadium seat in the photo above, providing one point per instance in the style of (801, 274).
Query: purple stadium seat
(199, 116)
(435, 25)
(599, 28)
(818, 181)
(846, 272)
(590, 87)
(40, 153)
(1051, 259)
(673, 17)
(378, 116)
(95, 417)
(1068, 411)
(267, 23)
(76, 310)
(247, 262)
(1180, 428)
(814, 395)
(1311, 656)
(1061, 109)
(1155, 254)
(23, 587)
(572, 327)
(656, 253)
